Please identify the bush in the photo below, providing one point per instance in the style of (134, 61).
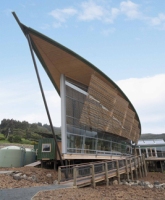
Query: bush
(14, 138)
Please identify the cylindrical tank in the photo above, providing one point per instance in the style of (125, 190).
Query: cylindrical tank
(12, 156)
(30, 156)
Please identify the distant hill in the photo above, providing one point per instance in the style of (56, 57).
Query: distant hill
(152, 136)
(26, 130)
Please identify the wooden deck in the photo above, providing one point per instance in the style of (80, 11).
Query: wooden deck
(92, 173)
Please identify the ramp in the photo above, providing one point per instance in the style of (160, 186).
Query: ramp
(34, 164)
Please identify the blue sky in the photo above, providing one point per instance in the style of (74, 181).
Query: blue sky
(125, 39)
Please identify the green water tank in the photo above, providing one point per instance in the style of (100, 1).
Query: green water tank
(12, 156)
(30, 156)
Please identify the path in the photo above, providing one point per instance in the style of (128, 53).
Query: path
(27, 193)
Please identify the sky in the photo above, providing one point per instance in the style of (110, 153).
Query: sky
(124, 39)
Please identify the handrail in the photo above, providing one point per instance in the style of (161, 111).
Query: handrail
(95, 171)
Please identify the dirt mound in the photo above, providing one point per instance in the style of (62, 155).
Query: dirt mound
(42, 177)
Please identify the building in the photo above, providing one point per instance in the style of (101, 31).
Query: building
(98, 120)
(151, 148)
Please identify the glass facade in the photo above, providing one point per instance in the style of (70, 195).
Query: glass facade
(86, 125)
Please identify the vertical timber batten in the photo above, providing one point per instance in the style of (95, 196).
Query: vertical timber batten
(63, 113)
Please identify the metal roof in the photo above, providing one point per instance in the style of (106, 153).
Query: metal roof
(151, 142)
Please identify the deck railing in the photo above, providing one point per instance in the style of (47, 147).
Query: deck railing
(90, 173)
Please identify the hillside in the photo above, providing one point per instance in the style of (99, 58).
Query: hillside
(14, 131)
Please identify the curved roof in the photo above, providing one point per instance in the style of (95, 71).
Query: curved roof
(57, 59)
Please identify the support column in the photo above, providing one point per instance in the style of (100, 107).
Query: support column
(144, 164)
(126, 161)
(93, 176)
(118, 174)
(106, 174)
(140, 172)
(63, 114)
(131, 169)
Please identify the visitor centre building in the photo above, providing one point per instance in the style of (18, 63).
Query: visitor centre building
(98, 121)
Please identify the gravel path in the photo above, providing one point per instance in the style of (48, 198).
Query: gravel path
(27, 193)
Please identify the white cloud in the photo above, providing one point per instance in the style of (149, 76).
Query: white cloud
(22, 100)
(92, 11)
(158, 22)
(130, 9)
(148, 97)
(61, 15)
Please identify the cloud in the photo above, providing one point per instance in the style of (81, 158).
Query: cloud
(130, 9)
(158, 21)
(148, 97)
(92, 11)
(61, 15)
(22, 100)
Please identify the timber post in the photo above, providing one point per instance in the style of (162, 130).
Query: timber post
(106, 174)
(142, 166)
(140, 172)
(93, 176)
(126, 161)
(59, 175)
(118, 173)
(131, 168)
(74, 176)
(145, 168)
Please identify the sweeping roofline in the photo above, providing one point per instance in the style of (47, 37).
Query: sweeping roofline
(27, 30)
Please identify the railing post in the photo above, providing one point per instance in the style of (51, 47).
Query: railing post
(140, 172)
(126, 161)
(118, 173)
(131, 169)
(142, 166)
(106, 174)
(135, 165)
(93, 176)
(59, 175)
(145, 168)
(75, 176)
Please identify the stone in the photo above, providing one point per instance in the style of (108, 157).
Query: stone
(24, 177)
(34, 178)
(156, 183)
(29, 179)
(17, 176)
(48, 175)
(115, 182)
(55, 182)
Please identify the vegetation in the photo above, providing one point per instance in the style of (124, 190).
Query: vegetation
(14, 131)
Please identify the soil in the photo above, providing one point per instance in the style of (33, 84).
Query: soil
(101, 192)
(7, 181)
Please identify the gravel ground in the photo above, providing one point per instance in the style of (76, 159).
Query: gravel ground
(24, 189)
(117, 192)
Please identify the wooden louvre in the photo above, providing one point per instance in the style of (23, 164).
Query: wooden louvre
(105, 110)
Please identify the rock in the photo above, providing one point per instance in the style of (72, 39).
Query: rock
(29, 179)
(55, 182)
(24, 177)
(134, 184)
(115, 182)
(34, 178)
(48, 175)
(17, 176)
(156, 183)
